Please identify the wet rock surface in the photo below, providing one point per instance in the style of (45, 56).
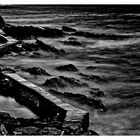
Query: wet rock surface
(68, 29)
(69, 67)
(36, 71)
(82, 98)
(62, 82)
(95, 78)
(31, 31)
(22, 48)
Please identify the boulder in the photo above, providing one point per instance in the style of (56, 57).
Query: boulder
(69, 67)
(2, 22)
(72, 42)
(36, 71)
(68, 29)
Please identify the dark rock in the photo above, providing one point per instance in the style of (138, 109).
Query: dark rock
(37, 131)
(2, 22)
(53, 32)
(89, 100)
(49, 48)
(21, 48)
(23, 32)
(72, 128)
(95, 78)
(61, 82)
(91, 67)
(72, 81)
(3, 39)
(55, 82)
(72, 42)
(72, 38)
(69, 67)
(68, 29)
(8, 69)
(36, 71)
(97, 92)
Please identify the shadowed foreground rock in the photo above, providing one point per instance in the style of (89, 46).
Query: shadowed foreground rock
(69, 67)
(73, 121)
(3, 39)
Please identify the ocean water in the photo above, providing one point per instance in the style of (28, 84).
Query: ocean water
(118, 60)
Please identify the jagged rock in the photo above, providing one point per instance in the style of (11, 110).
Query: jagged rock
(37, 131)
(2, 22)
(69, 67)
(72, 128)
(72, 42)
(68, 29)
(95, 78)
(61, 82)
(97, 92)
(8, 69)
(22, 48)
(49, 48)
(72, 81)
(55, 82)
(3, 39)
(22, 32)
(36, 71)
(89, 100)
(72, 38)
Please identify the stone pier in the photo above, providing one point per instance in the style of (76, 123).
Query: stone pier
(46, 105)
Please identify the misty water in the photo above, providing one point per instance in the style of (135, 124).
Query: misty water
(115, 59)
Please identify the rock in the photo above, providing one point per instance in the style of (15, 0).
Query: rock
(69, 67)
(2, 22)
(23, 32)
(68, 29)
(72, 42)
(55, 83)
(37, 131)
(89, 100)
(97, 92)
(62, 82)
(72, 38)
(8, 69)
(36, 71)
(53, 32)
(49, 48)
(95, 78)
(3, 39)
(72, 81)
(91, 67)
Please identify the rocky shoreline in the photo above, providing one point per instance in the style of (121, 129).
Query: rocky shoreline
(54, 122)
